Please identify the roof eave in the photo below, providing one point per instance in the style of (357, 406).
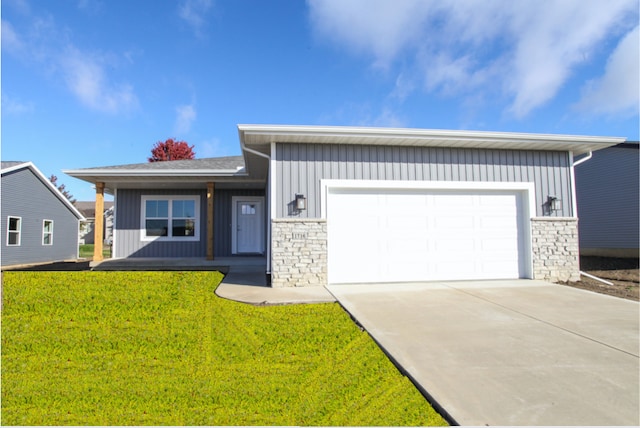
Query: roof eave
(50, 185)
(266, 134)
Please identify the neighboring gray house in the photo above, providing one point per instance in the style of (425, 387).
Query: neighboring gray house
(38, 224)
(607, 192)
(88, 210)
(351, 204)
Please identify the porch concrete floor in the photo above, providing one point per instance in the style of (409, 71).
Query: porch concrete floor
(222, 264)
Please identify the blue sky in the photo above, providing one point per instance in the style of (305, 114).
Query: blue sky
(97, 82)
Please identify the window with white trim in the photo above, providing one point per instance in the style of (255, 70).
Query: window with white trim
(14, 230)
(170, 218)
(47, 232)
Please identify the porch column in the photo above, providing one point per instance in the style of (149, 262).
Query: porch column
(210, 193)
(98, 229)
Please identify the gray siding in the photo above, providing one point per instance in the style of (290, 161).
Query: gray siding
(607, 195)
(128, 211)
(24, 195)
(300, 167)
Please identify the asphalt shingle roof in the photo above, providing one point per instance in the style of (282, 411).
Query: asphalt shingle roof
(9, 164)
(222, 163)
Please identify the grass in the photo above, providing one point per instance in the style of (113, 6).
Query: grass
(86, 251)
(160, 348)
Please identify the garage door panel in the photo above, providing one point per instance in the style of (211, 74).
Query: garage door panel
(408, 235)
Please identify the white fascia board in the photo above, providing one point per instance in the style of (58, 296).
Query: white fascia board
(16, 167)
(50, 185)
(155, 173)
(359, 135)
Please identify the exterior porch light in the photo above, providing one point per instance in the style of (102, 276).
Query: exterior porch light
(301, 202)
(555, 204)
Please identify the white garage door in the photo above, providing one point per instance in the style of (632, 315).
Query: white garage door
(394, 235)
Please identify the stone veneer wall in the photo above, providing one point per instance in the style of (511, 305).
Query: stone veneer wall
(555, 249)
(298, 252)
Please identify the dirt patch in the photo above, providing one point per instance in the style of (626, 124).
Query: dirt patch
(623, 273)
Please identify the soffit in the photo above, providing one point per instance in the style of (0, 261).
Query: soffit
(260, 135)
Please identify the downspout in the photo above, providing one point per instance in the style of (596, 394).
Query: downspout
(575, 205)
(268, 208)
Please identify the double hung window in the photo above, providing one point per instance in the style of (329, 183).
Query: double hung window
(47, 232)
(14, 230)
(170, 217)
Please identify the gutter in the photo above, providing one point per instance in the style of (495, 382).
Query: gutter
(584, 159)
(269, 196)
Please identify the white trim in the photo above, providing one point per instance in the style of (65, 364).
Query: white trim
(572, 179)
(527, 188)
(114, 228)
(43, 232)
(273, 181)
(170, 199)
(265, 134)
(19, 231)
(234, 221)
(47, 183)
(111, 172)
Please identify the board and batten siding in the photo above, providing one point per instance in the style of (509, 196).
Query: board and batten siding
(607, 197)
(25, 195)
(128, 224)
(300, 167)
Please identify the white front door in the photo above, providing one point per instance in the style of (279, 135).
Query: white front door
(247, 225)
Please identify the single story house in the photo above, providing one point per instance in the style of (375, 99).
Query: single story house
(335, 205)
(88, 210)
(607, 191)
(38, 223)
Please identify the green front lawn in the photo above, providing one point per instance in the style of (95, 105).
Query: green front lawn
(86, 251)
(160, 348)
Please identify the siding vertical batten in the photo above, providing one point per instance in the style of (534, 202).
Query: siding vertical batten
(549, 171)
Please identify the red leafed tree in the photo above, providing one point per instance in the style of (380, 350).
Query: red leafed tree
(171, 150)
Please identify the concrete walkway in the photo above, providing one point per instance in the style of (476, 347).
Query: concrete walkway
(247, 285)
(509, 352)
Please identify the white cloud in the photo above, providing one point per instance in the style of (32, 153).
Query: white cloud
(524, 51)
(86, 78)
(618, 90)
(11, 105)
(210, 148)
(10, 39)
(185, 116)
(42, 45)
(193, 11)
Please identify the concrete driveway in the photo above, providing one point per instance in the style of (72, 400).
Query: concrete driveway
(517, 352)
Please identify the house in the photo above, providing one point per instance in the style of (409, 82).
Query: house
(88, 210)
(330, 204)
(38, 224)
(607, 192)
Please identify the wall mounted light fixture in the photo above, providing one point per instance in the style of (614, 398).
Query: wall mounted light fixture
(301, 202)
(555, 204)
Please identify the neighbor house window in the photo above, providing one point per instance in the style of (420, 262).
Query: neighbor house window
(14, 228)
(47, 232)
(170, 217)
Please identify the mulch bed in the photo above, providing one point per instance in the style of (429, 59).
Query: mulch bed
(623, 273)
